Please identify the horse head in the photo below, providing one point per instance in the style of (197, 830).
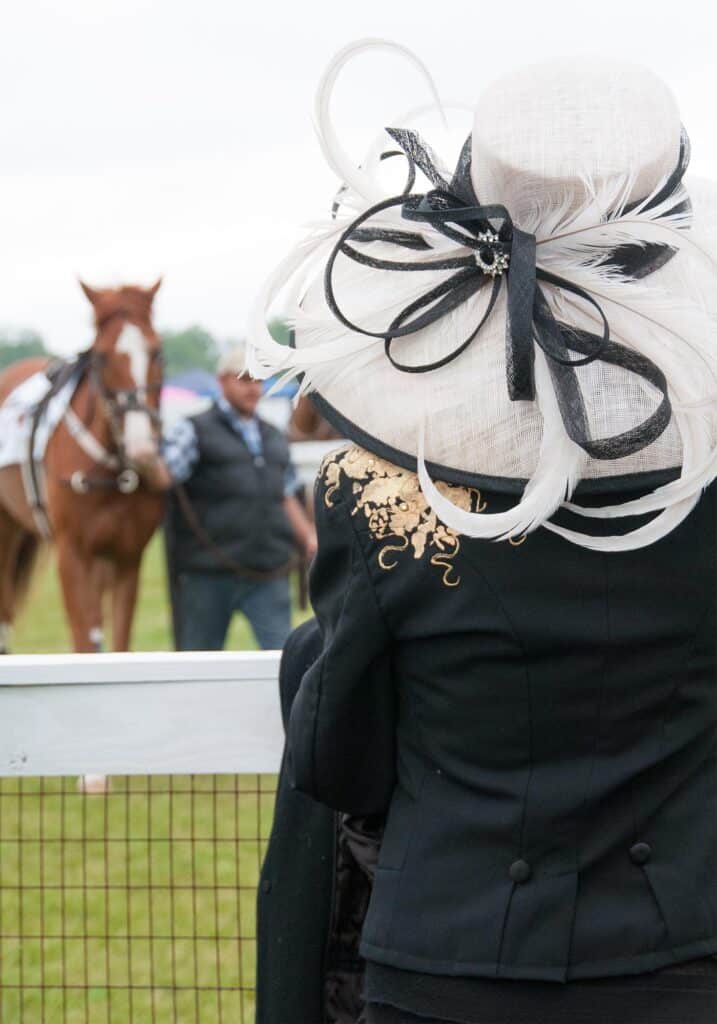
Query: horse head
(126, 365)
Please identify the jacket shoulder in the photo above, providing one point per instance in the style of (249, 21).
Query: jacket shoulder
(389, 508)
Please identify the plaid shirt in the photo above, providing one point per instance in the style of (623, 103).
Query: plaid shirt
(180, 447)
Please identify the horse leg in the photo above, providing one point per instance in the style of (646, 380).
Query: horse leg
(81, 582)
(8, 544)
(17, 556)
(124, 598)
(100, 575)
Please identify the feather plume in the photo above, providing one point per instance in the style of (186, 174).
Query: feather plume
(554, 480)
(578, 227)
(354, 177)
(670, 316)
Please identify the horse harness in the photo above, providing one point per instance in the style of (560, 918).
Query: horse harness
(121, 475)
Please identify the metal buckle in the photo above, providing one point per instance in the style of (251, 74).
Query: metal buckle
(79, 482)
(128, 481)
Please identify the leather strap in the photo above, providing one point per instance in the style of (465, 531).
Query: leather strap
(223, 560)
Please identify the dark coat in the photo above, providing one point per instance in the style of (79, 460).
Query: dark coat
(237, 497)
(313, 889)
(538, 721)
(295, 883)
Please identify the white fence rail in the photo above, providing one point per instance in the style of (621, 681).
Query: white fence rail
(307, 456)
(205, 712)
(140, 714)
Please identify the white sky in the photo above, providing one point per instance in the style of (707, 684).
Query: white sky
(141, 137)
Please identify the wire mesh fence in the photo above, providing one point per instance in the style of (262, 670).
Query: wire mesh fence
(136, 903)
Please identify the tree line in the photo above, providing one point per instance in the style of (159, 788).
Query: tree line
(193, 348)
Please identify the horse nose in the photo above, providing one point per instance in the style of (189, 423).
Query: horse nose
(139, 438)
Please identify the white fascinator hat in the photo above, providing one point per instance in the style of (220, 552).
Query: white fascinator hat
(538, 316)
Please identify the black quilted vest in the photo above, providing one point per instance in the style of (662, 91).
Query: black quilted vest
(237, 498)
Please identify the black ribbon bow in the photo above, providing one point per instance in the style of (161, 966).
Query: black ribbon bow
(453, 209)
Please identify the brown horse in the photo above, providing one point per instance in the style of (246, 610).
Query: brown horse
(99, 513)
(307, 423)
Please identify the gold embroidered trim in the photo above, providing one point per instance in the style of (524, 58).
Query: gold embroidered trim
(519, 541)
(391, 500)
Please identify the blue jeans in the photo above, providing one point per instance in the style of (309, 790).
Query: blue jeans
(207, 601)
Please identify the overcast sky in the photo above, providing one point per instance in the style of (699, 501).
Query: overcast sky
(147, 137)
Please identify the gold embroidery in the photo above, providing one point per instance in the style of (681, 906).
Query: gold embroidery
(330, 472)
(395, 509)
(519, 541)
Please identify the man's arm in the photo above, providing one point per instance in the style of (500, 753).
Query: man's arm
(302, 526)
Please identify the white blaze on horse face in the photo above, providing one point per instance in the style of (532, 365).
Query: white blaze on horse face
(138, 439)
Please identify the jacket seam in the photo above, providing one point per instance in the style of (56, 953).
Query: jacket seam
(524, 808)
(469, 967)
(579, 835)
(674, 693)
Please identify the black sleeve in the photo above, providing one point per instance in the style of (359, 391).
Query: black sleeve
(341, 735)
(301, 649)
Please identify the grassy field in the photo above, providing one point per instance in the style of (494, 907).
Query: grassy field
(135, 906)
(138, 905)
(41, 627)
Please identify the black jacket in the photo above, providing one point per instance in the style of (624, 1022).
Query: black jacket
(237, 498)
(313, 890)
(538, 721)
(294, 894)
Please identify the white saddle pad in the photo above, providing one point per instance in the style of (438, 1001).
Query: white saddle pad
(16, 418)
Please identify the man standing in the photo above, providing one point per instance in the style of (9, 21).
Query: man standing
(234, 530)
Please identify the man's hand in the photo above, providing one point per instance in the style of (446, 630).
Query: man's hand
(145, 455)
(152, 468)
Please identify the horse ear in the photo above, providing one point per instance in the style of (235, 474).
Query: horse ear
(151, 292)
(91, 293)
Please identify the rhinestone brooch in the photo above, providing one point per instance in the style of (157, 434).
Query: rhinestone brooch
(498, 260)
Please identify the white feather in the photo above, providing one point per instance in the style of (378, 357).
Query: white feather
(556, 475)
(673, 324)
(354, 177)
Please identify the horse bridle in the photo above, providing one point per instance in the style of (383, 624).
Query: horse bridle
(117, 402)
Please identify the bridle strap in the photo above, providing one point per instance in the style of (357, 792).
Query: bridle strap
(88, 442)
(124, 478)
(121, 400)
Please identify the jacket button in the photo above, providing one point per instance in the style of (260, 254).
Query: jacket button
(519, 871)
(640, 853)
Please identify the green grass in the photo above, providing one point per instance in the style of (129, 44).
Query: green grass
(135, 906)
(41, 627)
(51, 970)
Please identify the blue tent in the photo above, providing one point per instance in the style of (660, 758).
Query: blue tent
(204, 383)
(287, 390)
(200, 381)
